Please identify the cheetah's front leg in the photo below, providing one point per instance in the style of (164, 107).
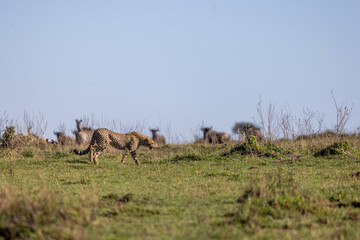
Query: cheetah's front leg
(133, 155)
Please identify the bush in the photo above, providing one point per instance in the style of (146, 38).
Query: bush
(338, 149)
(251, 146)
(8, 137)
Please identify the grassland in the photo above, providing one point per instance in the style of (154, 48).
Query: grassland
(191, 191)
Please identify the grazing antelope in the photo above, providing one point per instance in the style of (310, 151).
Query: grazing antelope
(82, 134)
(158, 139)
(213, 137)
(62, 139)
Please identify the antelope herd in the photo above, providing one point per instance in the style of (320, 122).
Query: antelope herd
(82, 135)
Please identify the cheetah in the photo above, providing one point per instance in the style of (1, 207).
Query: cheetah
(129, 142)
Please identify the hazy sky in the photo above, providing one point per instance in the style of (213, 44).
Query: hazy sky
(178, 63)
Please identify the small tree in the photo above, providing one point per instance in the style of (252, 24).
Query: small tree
(310, 123)
(35, 123)
(268, 120)
(8, 137)
(343, 113)
(286, 123)
(3, 122)
(244, 129)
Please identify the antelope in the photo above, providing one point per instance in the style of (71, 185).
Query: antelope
(62, 139)
(82, 134)
(158, 139)
(213, 137)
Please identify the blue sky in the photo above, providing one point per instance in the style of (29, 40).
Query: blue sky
(178, 63)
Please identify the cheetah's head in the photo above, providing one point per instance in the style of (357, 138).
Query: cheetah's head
(148, 142)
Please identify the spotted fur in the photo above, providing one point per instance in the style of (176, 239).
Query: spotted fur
(129, 142)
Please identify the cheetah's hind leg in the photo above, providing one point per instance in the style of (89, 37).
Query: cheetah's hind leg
(126, 153)
(97, 151)
(92, 149)
(96, 154)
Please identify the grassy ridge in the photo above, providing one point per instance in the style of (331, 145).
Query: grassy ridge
(180, 191)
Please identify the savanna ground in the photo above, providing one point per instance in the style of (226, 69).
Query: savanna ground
(190, 191)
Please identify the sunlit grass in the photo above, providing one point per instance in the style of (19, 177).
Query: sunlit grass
(192, 191)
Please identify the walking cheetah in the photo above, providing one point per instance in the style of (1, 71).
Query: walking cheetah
(129, 142)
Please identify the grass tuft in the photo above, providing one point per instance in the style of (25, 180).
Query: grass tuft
(28, 153)
(125, 199)
(253, 148)
(23, 217)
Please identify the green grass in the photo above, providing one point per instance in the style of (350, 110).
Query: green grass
(190, 191)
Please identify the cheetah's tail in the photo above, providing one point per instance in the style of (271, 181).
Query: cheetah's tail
(77, 152)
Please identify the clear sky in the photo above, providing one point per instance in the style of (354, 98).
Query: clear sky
(178, 63)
